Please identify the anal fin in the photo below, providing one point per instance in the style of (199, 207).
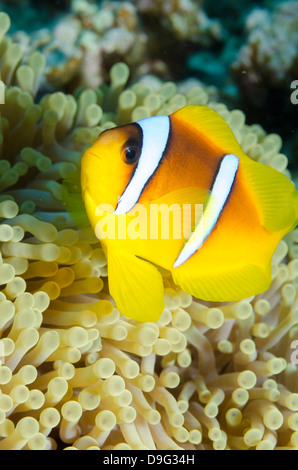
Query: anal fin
(136, 285)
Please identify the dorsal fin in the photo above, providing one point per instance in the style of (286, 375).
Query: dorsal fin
(212, 126)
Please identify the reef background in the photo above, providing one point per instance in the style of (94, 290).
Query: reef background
(247, 50)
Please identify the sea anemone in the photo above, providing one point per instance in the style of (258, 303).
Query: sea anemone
(74, 373)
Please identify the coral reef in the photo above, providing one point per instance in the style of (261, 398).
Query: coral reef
(185, 19)
(30, 15)
(81, 45)
(266, 65)
(270, 58)
(86, 41)
(176, 29)
(74, 374)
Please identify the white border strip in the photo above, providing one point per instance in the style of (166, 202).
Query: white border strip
(219, 195)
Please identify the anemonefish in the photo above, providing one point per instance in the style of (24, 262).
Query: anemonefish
(187, 159)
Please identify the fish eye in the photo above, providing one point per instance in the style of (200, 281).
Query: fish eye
(131, 153)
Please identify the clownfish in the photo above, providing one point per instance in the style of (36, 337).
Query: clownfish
(185, 160)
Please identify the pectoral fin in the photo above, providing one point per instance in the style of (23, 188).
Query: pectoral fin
(136, 286)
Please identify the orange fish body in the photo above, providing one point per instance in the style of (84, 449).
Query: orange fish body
(170, 167)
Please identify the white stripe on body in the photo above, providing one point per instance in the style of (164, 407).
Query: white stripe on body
(219, 194)
(155, 137)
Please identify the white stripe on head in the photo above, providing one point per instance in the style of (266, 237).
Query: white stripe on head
(155, 137)
(219, 194)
